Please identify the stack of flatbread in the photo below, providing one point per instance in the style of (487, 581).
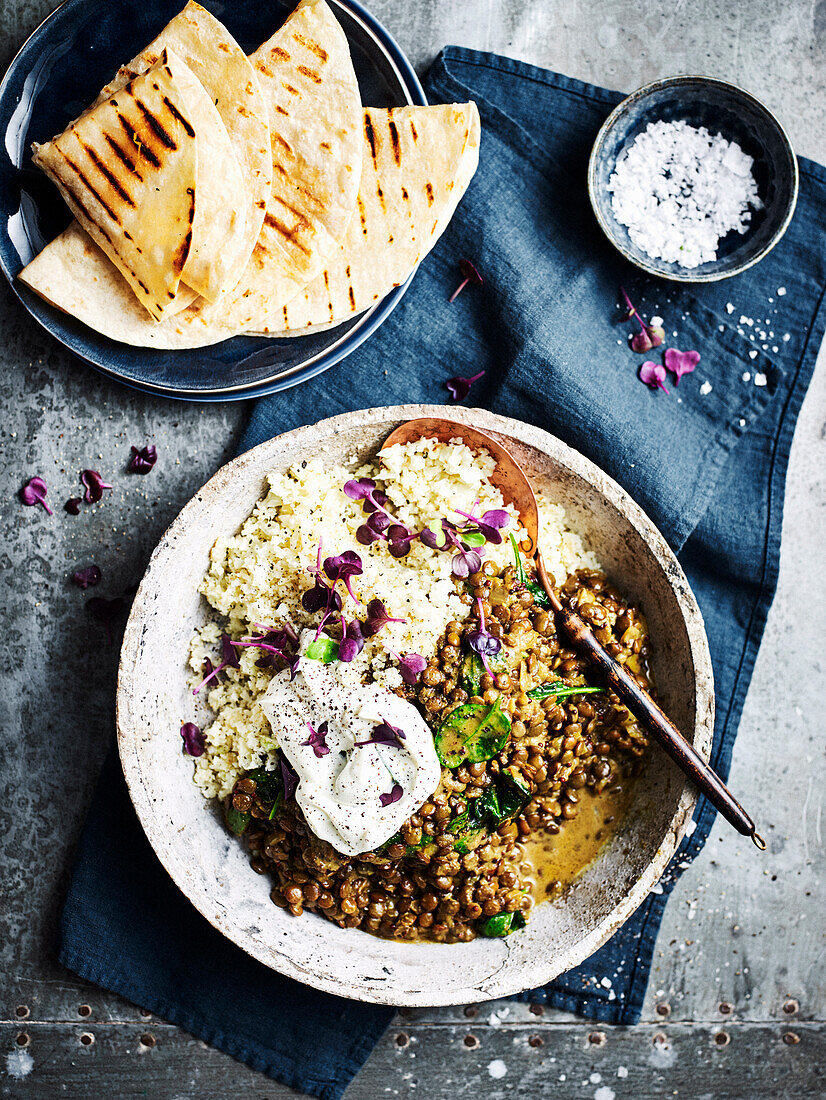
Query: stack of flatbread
(215, 194)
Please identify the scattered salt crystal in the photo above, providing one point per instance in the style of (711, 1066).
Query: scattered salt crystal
(722, 328)
(753, 353)
(781, 290)
(746, 376)
(705, 389)
(497, 1069)
(604, 1093)
(787, 336)
(605, 983)
(775, 348)
(622, 1071)
(595, 1078)
(656, 322)
(729, 309)
(680, 190)
(760, 380)
(741, 422)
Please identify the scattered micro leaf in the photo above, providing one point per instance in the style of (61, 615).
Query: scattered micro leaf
(193, 739)
(680, 362)
(393, 796)
(470, 275)
(649, 336)
(343, 567)
(459, 387)
(94, 485)
(289, 777)
(143, 459)
(377, 617)
(653, 375)
(384, 734)
(88, 577)
(34, 492)
(317, 739)
(72, 506)
(411, 666)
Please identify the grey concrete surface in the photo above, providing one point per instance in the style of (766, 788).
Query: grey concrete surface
(735, 1006)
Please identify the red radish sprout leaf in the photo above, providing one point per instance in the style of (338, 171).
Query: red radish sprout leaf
(34, 492)
(193, 739)
(143, 459)
(94, 485)
(393, 796)
(680, 362)
(87, 578)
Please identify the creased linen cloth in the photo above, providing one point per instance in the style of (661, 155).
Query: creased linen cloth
(708, 463)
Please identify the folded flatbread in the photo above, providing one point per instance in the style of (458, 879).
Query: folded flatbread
(310, 88)
(130, 171)
(225, 71)
(418, 162)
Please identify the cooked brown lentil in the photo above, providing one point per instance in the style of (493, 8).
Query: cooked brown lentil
(419, 886)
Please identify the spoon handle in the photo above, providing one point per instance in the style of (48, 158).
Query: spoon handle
(661, 728)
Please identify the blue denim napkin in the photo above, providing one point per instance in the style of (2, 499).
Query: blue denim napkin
(708, 463)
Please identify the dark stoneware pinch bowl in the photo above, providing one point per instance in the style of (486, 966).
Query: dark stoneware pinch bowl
(723, 109)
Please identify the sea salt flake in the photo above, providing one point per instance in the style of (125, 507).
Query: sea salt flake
(679, 190)
(760, 380)
(746, 376)
(622, 1071)
(786, 337)
(753, 353)
(729, 309)
(497, 1069)
(781, 290)
(705, 389)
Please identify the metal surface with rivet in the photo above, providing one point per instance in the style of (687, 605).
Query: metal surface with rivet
(752, 941)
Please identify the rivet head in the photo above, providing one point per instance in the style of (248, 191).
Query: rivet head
(597, 1038)
(663, 1009)
(471, 1042)
(722, 1039)
(790, 1039)
(725, 1008)
(791, 1006)
(402, 1039)
(536, 1041)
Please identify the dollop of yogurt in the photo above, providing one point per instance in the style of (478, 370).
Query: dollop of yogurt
(340, 790)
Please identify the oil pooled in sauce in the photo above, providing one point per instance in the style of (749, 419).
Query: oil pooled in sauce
(558, 859)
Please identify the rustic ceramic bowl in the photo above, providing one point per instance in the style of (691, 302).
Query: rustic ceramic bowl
(211, 867)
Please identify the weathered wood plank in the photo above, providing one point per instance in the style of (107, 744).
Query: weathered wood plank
(699, 1062)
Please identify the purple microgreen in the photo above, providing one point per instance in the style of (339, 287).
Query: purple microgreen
(143, 459)
(34, 492)
(289, 778)
(466, 562)
(653, 375)
(460, 387)
(385, 734)
(320, 596)
(273, 643)
(343, 567)
(377, 617)
(399, 539)
(489, 524)
(352, 641)
(359, 488)
(393, 796)
(469, 275)
(649, 336)
(484, 643)
(72, 506)
(229, 659)
(436, 540)
(88, 577)
(106, 612)
(680, 362)
(411, 666)
(317, 739)
(193, 739)
(94, 485)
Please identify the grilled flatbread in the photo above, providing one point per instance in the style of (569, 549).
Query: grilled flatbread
(418, 162)
(230, 81)
(310, 88)
(130, 171)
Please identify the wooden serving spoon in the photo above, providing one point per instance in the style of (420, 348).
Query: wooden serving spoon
(512, 482)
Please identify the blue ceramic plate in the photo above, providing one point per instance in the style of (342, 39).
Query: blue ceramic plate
(723, 109)
(57, 73)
